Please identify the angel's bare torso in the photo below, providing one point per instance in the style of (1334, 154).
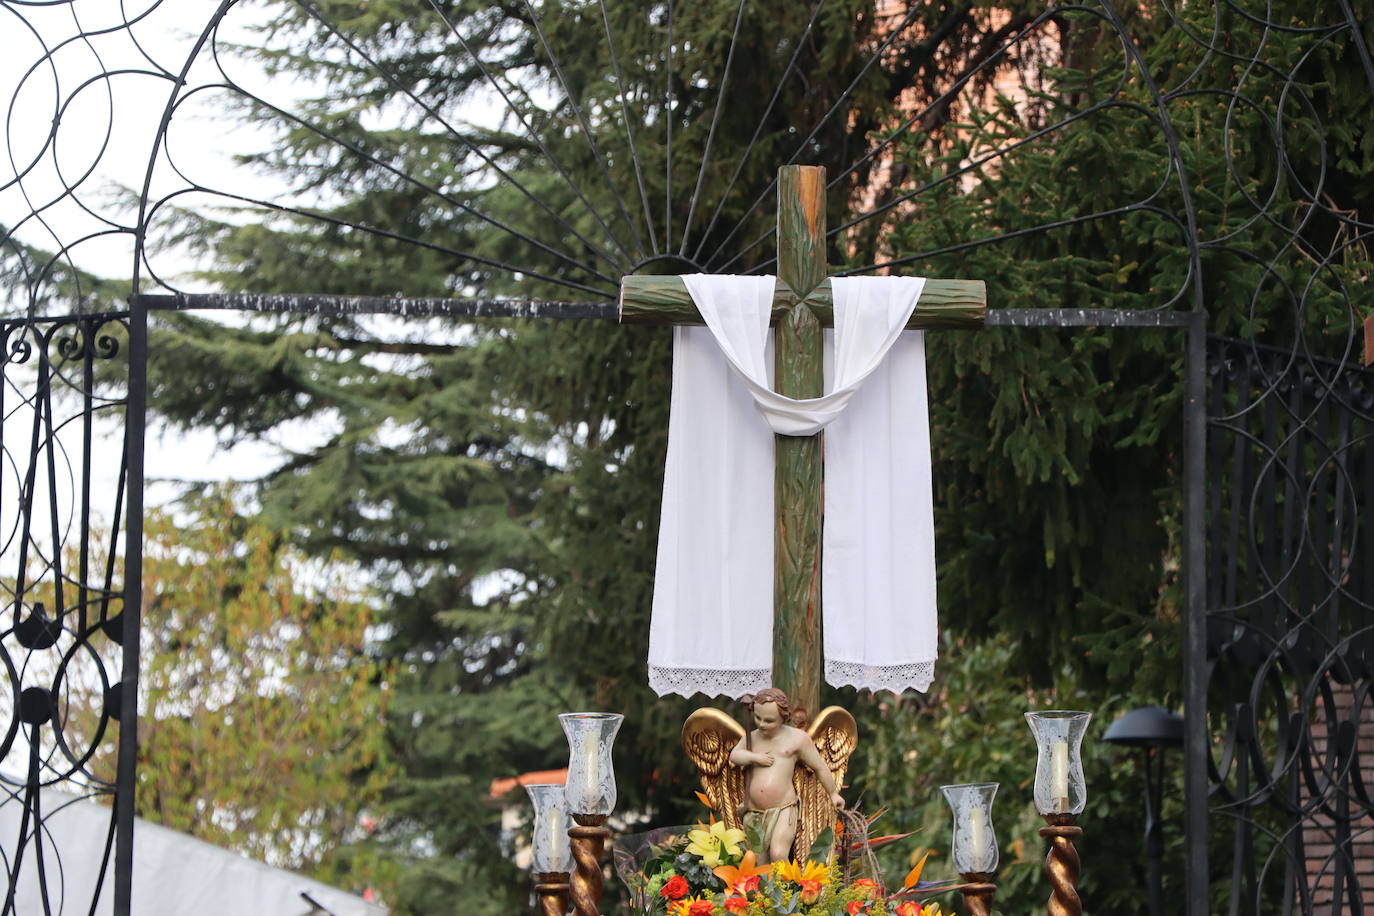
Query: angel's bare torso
(770, 785)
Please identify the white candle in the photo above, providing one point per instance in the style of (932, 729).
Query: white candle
(591, 766)
(977, 838)
(557, 826)
(1059, 771)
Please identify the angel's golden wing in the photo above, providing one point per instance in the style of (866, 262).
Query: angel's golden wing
(708, 737)
(835, 735)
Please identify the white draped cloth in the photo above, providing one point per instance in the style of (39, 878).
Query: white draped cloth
(712, 624)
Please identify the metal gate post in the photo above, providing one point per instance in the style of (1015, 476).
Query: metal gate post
(131, 619)
(1195, 749)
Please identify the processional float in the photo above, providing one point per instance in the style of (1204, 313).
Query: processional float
(568, 859)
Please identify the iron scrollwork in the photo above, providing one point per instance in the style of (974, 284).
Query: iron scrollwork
(1289, 625)
(62, 398)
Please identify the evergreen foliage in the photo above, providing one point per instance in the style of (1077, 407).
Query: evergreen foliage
(499, 484)
(1058, 453)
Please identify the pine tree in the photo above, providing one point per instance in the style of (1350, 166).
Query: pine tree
(502, 484)
(1058, 453)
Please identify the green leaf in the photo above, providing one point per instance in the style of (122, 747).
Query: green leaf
(824, 846)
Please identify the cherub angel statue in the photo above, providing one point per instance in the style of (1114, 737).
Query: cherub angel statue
(752, 778)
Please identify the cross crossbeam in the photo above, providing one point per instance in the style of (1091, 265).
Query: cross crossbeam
(944, 304)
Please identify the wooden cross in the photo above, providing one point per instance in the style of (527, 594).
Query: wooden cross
(802, 306)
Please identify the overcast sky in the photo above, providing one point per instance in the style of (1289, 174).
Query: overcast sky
(63, 190)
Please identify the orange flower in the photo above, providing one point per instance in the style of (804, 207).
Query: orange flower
(915, 909)
(734, 875)
(684, 906)
(810, 890)
(736, 904)
(868, 883)
(691, 906)
(856, 906)
(913, 877)
(877, 841)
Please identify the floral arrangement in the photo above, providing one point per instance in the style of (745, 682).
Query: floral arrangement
(709, 870)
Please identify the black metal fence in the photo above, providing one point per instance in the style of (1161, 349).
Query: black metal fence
(1290, 628)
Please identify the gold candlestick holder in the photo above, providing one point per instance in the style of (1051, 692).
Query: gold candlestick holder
(588, 844)
(978, 891)
(1062, 865)
(552, 889)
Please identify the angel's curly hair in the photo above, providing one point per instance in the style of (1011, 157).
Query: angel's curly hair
(790, 716)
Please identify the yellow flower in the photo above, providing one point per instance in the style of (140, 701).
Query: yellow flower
(716, 843)
(812, 871)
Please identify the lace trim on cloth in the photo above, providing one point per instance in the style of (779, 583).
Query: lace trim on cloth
(895, 678)
(712, 682)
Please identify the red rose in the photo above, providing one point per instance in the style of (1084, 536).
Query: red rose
(747, 885)
(701, 908)
(736, 904)
(675, 889)
(855, 906)
(810, 890)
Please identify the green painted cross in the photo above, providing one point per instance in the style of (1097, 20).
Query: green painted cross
(802, 306)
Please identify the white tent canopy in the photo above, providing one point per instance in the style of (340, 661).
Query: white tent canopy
(173, 872)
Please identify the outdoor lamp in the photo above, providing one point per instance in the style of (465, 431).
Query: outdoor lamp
(552, 852)
(1152, 729)
(975, 843)
(590, 799)
(1060, 793)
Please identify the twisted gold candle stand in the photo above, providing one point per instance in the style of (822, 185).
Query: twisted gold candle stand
(978, 891)
(1062, 865)
(552, 890)
(588, 844)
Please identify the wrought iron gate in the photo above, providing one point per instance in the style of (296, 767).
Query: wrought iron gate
(69, 701)
(1290, 628)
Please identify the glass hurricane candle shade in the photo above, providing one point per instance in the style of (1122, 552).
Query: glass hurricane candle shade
(591, 777)
(552, 852)
(975, 843)
(1059, 784)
